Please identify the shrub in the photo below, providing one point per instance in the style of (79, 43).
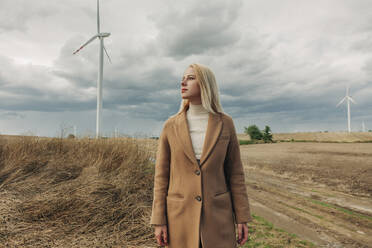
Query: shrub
(254, 132)
(267, 135)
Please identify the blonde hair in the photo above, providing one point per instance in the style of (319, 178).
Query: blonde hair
(209, 92)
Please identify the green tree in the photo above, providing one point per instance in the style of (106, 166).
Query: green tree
(267, 135)
(71, 136)
(254, 132)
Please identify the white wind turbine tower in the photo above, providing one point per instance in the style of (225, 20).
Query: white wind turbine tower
(100, 71)
(116, 132)
(348, 99)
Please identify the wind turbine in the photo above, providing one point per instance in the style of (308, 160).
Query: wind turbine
(348, 99)
(101, 36)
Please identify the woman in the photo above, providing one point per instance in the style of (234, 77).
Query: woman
(199, 184)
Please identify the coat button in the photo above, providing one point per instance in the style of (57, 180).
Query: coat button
(198, 198)
(197, 172)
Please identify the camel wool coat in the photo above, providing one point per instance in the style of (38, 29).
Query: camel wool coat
(199, 202)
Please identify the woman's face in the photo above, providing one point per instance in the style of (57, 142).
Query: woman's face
(190, 86)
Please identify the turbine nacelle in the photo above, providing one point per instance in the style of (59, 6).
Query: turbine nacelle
(100, 35)
(348, 98)
(103, 35)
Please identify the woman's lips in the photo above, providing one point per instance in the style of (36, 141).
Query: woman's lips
(183, 90)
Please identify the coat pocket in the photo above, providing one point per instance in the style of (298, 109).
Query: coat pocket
(222, 220)
(221, 193)
(175, 196)
(222, 202)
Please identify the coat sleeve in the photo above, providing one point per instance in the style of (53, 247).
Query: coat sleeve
(161, 180)
(235, 179)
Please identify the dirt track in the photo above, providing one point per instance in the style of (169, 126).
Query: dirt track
(319, 191)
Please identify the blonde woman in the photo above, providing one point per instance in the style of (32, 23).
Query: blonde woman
(199, 184)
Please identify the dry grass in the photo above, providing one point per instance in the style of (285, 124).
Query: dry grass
(74, 193)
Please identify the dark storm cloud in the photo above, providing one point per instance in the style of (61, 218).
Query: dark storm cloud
(49, 105)
(20, 81)
(33, 87)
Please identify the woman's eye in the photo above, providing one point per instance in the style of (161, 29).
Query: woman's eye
(189, 78)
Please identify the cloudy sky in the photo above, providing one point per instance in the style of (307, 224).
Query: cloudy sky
(285, 64)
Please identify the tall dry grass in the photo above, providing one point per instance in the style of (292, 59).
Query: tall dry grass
(75, 193)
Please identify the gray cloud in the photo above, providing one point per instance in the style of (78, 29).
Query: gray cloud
(16, 14)
(198, 28)
(11, 115)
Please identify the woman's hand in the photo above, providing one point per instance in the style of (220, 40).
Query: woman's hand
(242, 233)
(161, 234)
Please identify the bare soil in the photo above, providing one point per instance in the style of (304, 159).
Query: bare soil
(319, 191)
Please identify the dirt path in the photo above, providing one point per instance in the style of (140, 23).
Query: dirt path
(312, 211)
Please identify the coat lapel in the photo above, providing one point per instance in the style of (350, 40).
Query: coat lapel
(213, 131)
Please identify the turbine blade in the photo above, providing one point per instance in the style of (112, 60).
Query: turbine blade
(343, 99)
(104, 48)
(86, 43)
(351, 99)
(98, 23)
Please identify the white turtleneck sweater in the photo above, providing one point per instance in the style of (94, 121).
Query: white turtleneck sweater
(197, 118)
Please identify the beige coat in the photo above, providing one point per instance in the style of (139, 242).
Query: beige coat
(206, 200)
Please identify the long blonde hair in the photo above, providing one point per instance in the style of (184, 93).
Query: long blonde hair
(209, 92)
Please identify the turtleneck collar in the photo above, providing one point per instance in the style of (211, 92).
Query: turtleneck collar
(197, 109)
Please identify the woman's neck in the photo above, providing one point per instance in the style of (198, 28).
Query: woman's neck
(197, 109)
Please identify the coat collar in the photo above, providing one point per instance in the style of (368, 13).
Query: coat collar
(213, 131)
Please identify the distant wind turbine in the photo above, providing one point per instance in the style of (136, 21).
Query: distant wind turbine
(116, 132)
(100, 71)
(348, 99)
